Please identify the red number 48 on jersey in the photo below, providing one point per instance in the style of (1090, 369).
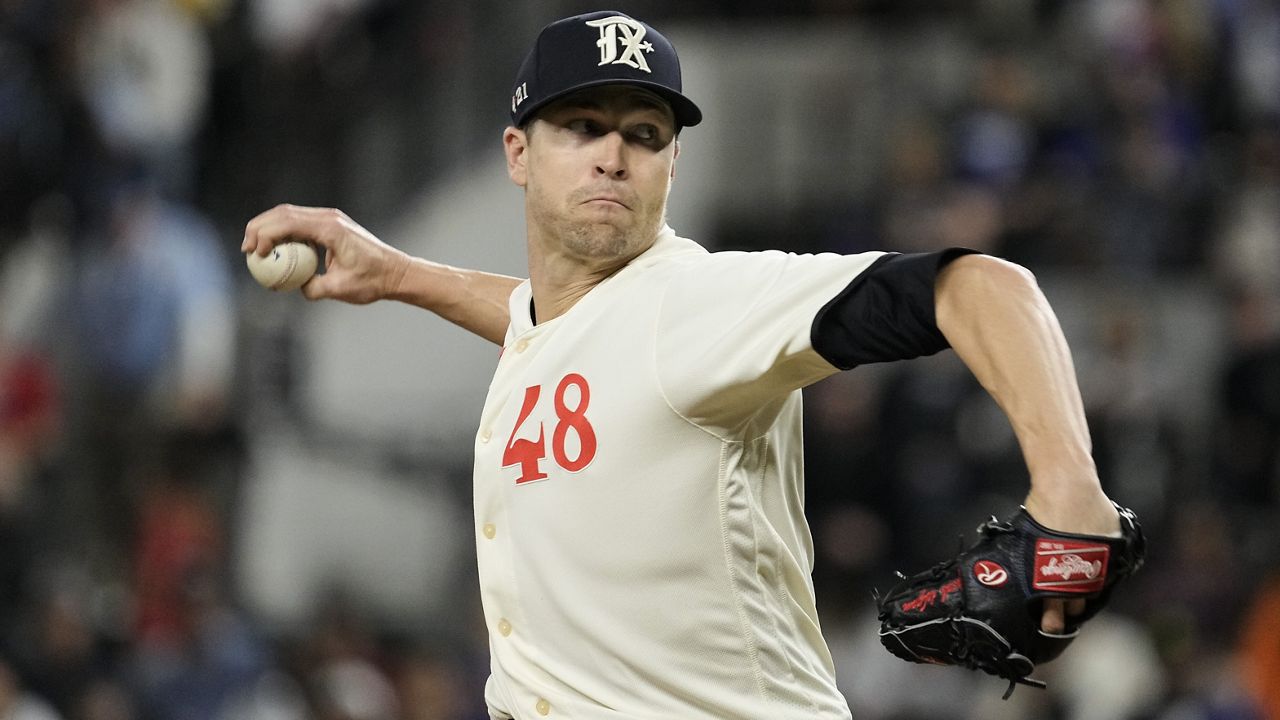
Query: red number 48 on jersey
(529, 454)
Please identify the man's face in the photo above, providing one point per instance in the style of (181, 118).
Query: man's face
(596, 167)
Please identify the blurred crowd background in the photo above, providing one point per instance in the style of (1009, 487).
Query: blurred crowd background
(160, 552)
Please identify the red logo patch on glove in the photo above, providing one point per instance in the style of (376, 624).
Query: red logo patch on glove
(1071, 567)
(989, 573)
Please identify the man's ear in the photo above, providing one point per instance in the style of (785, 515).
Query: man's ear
(675, 156)
(515, 143)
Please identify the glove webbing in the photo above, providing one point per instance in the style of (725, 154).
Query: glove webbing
(1000, 660)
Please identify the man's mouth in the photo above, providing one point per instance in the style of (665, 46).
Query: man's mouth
(606, 200)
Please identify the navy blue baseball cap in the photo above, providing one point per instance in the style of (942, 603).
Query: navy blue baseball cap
(599, 48)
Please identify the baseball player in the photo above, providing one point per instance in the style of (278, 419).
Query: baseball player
(638, 481)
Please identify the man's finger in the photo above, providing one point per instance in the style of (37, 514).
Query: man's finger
(1056, 612)
(1053, 621)
(285, 222)
(253, 230)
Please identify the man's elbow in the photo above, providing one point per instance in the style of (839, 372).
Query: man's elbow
(973, 283)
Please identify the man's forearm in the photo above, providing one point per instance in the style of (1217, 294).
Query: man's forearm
(473, 300)
(1000, 324)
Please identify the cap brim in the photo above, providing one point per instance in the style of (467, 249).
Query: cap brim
(686, 112)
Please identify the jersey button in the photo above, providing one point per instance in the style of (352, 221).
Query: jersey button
(522, 346)
(489, 530)
(543, 707)
(485, 435)
(504, 627)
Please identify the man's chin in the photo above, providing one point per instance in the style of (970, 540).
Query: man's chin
(606, 240)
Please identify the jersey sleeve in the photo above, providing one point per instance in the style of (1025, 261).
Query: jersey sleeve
(733, 334)
(886, 313)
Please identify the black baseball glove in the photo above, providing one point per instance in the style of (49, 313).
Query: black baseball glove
(982, 609)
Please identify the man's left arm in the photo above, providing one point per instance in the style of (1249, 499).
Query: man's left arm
(999, 323)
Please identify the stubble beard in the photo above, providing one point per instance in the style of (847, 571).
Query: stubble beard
(595, 241)
(598, 241)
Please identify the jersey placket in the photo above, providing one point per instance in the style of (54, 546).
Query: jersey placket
(493, 485)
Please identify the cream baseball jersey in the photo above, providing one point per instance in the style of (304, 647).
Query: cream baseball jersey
(641, 543)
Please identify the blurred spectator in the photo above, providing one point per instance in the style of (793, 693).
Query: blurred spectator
(66, 645)
(289, 26)
(1252, 27)
(1218, 698)
(1260, 648)
(274, 696)
(36, 111)
(995, 138)
(954, 458)
(430, 687)
(340, 666)
(1193, 598)
(1246, 254)
(144, 69)
(352, 689)
(916, 179)
(105, 699)
(847, 492)
(156, 331)
(29, 418)
(211, 659)
(1247, 441)
(1134, 447)
(180, 541)
(194, 654)
(1111, 672)
(15, 704)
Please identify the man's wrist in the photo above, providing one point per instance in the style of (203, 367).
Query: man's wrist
(398, 285)
(1076, 507)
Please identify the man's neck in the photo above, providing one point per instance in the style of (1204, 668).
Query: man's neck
(560, 279)
(558, 283)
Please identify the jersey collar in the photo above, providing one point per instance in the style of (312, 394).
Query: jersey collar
(667, 245)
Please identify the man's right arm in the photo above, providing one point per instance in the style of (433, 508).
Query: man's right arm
(360, 269)
(471, 299)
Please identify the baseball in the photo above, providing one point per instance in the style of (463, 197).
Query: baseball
(287, 267)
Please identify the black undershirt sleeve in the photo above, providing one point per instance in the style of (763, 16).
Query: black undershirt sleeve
(886, 313)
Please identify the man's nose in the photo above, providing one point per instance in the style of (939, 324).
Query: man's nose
(611, 160)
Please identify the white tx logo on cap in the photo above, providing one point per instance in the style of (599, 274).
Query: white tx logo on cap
(631, 42)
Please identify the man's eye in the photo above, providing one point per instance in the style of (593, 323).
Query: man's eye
(645, 133)
(583, 126)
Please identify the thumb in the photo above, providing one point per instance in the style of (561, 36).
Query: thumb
(339, 285)
(318, 287)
